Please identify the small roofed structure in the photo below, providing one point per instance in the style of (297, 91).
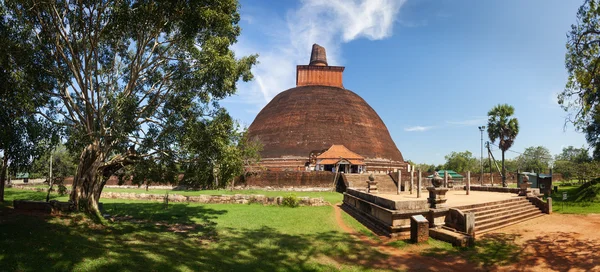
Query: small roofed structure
(341, 159)
(451, 174)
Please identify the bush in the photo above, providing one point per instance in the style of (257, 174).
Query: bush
(290, 201)
(62, 190)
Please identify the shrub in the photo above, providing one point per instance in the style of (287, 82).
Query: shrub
(62, 190)
(290, 201)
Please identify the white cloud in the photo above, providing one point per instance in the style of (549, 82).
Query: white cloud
(469, 122)
(417, 128)
(287, 41)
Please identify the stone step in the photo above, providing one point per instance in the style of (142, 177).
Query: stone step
(505, 215)
(497, 213)
(475, 207)
(501, 207)
(509, 223)
(495, 205)
(385, 183)
(496, 224)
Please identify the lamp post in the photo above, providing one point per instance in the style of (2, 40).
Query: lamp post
(481, 128)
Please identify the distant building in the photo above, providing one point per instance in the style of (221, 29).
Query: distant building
(302, 127)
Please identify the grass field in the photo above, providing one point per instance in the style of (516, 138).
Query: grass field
(184, 237)
(580, 199)
(208, 237)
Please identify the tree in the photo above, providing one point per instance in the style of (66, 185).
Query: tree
(535, 158)
(425, 167)
(63, 165)
(581, 98)
(23, 136)
(504, 129)
(462, 162)
(135, 81)
(572, 154)
(574, 162)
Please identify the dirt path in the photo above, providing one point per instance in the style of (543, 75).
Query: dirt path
(556, 242)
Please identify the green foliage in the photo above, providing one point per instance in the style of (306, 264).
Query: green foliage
(581, 98)
(503, 128)
(572, 154)
(23, 88)
(424, 167)
(136, 82)
(535, 158)
(462, 162)
(64, 163)
(291, 201)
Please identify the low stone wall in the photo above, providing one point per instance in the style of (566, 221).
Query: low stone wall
(43, 207)
(216, 199)
(494, 189)
(207, 199)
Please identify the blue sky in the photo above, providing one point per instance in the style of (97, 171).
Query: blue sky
(432, 69)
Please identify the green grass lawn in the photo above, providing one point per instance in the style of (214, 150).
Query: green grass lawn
(580, 199)
(184, 237)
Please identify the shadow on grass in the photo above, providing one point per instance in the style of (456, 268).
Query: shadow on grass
(490, 251)
(183, 237)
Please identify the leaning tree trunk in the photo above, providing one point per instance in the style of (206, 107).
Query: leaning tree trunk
(3, 177)
(503, 172)
(88, 182)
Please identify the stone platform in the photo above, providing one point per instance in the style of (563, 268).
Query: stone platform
(456, 198)
(389, 214)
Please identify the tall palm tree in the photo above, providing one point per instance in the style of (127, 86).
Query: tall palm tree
(504, 129)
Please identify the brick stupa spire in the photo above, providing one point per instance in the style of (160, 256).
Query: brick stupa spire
(318, 72)
(318, 57)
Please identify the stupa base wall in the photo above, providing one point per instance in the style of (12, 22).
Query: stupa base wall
(288, 180)
(388, 217)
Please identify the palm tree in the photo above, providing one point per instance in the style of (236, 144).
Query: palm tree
(504, 129)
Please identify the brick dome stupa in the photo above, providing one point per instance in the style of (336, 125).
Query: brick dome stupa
(304, 122)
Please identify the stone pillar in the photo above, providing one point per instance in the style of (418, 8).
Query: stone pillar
(399, 182)
(470, 223)
(419, 184)
(419, 229)
(445, 179)
(412, 181)
(549, 200)
(468, 182)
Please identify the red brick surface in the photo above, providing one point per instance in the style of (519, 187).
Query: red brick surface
(303, 119)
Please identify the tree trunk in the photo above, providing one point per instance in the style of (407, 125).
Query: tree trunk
(3, 177)
(503, 172)
(88, 182)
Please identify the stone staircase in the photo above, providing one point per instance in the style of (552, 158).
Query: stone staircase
(495, 215)
(385, 183)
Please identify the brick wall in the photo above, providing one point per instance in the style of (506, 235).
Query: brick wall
(288, 179)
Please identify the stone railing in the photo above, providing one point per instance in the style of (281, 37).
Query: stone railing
(544, 206)
(463, 222)
(494, 189)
